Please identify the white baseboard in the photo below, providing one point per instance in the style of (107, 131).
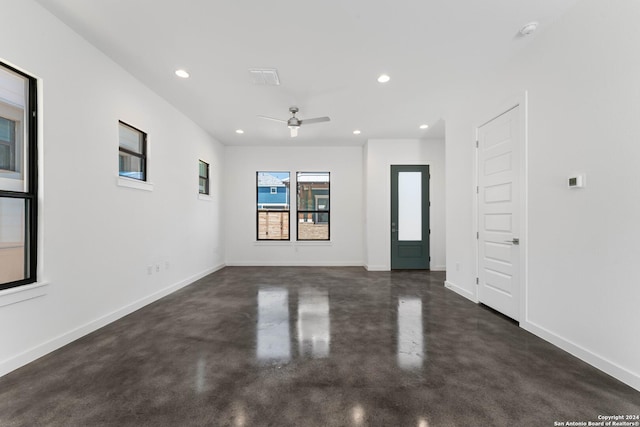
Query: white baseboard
(293, 264)
(438, 268)
(460, 291)
(53, 344)
(630, 378)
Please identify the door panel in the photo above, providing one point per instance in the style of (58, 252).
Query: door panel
(410, 217)
(498, 214)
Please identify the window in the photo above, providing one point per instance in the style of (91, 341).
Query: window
(18, 178)
(204, 177)
(313, 205)
(272, 206)
(133, 152)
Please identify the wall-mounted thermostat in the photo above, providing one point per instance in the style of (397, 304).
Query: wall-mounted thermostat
(576, 181)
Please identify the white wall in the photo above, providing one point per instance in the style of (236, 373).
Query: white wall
(347, 216)
(96, 238)
(379, 156)
(581, 75)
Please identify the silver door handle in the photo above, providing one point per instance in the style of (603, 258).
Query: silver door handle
(514, 241)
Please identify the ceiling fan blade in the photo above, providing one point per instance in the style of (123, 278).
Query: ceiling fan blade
(294, 131)
(272, 118)
(315, 120)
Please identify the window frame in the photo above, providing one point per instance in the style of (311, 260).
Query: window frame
(142, 155)
(316, 211)
(258, 209)
(30, 196)
(207, 191)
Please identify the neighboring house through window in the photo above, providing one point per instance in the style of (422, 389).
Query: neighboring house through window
(273, 193)
(313, 205)
(18, 178)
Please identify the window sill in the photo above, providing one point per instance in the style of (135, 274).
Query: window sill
(292, 243)
(134, 183)
(205, 197)
(22, 293)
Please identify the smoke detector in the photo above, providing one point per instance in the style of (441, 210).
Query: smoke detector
(528, 29)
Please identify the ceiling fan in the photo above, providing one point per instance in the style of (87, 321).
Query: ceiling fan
(294, 123)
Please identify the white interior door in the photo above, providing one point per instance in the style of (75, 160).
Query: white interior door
(499, 146)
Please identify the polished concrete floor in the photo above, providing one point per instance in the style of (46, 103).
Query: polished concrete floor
(311, 347)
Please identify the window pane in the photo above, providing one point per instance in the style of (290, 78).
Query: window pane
(131, 166)
(13, 103)
(131, 139)
(409, 206)
(12, 240)
(204, 169)
(273, 195)
(313, 191)
(313, 226)
(203, 186)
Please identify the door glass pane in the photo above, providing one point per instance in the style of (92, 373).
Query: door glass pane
(12, 240)
(410, 206)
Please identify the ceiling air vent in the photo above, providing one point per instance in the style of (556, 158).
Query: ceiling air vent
(264, 76)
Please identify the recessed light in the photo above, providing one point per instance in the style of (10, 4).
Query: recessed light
(239, 131)
(383, 78)
(182, 73)
(424, 126)
(356, 132)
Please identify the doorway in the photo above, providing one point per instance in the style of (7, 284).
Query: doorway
(410, 217)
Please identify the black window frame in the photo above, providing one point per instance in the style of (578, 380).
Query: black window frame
(142, 155)
(307, 211)
(205, 177)
(258, 209)
(30, 197)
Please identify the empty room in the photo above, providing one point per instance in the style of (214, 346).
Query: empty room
(338, 213)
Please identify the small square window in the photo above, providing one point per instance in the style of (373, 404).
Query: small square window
(203, 172)
(133, 152)
(274, 190)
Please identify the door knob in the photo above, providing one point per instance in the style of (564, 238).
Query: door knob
(514, 241)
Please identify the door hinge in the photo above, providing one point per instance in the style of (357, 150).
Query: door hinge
(477, 234)
(477, 144)
(477, 281)
(477, 189)
(429, 232)
(429, 258)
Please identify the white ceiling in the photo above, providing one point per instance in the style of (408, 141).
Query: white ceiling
(328, 55)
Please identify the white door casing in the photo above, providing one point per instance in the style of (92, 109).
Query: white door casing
(500, 147)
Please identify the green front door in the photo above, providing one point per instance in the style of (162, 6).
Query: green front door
(410, 217)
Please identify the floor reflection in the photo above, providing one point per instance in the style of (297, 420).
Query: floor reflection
(273, 340)
(410, 333)
(313, 323)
